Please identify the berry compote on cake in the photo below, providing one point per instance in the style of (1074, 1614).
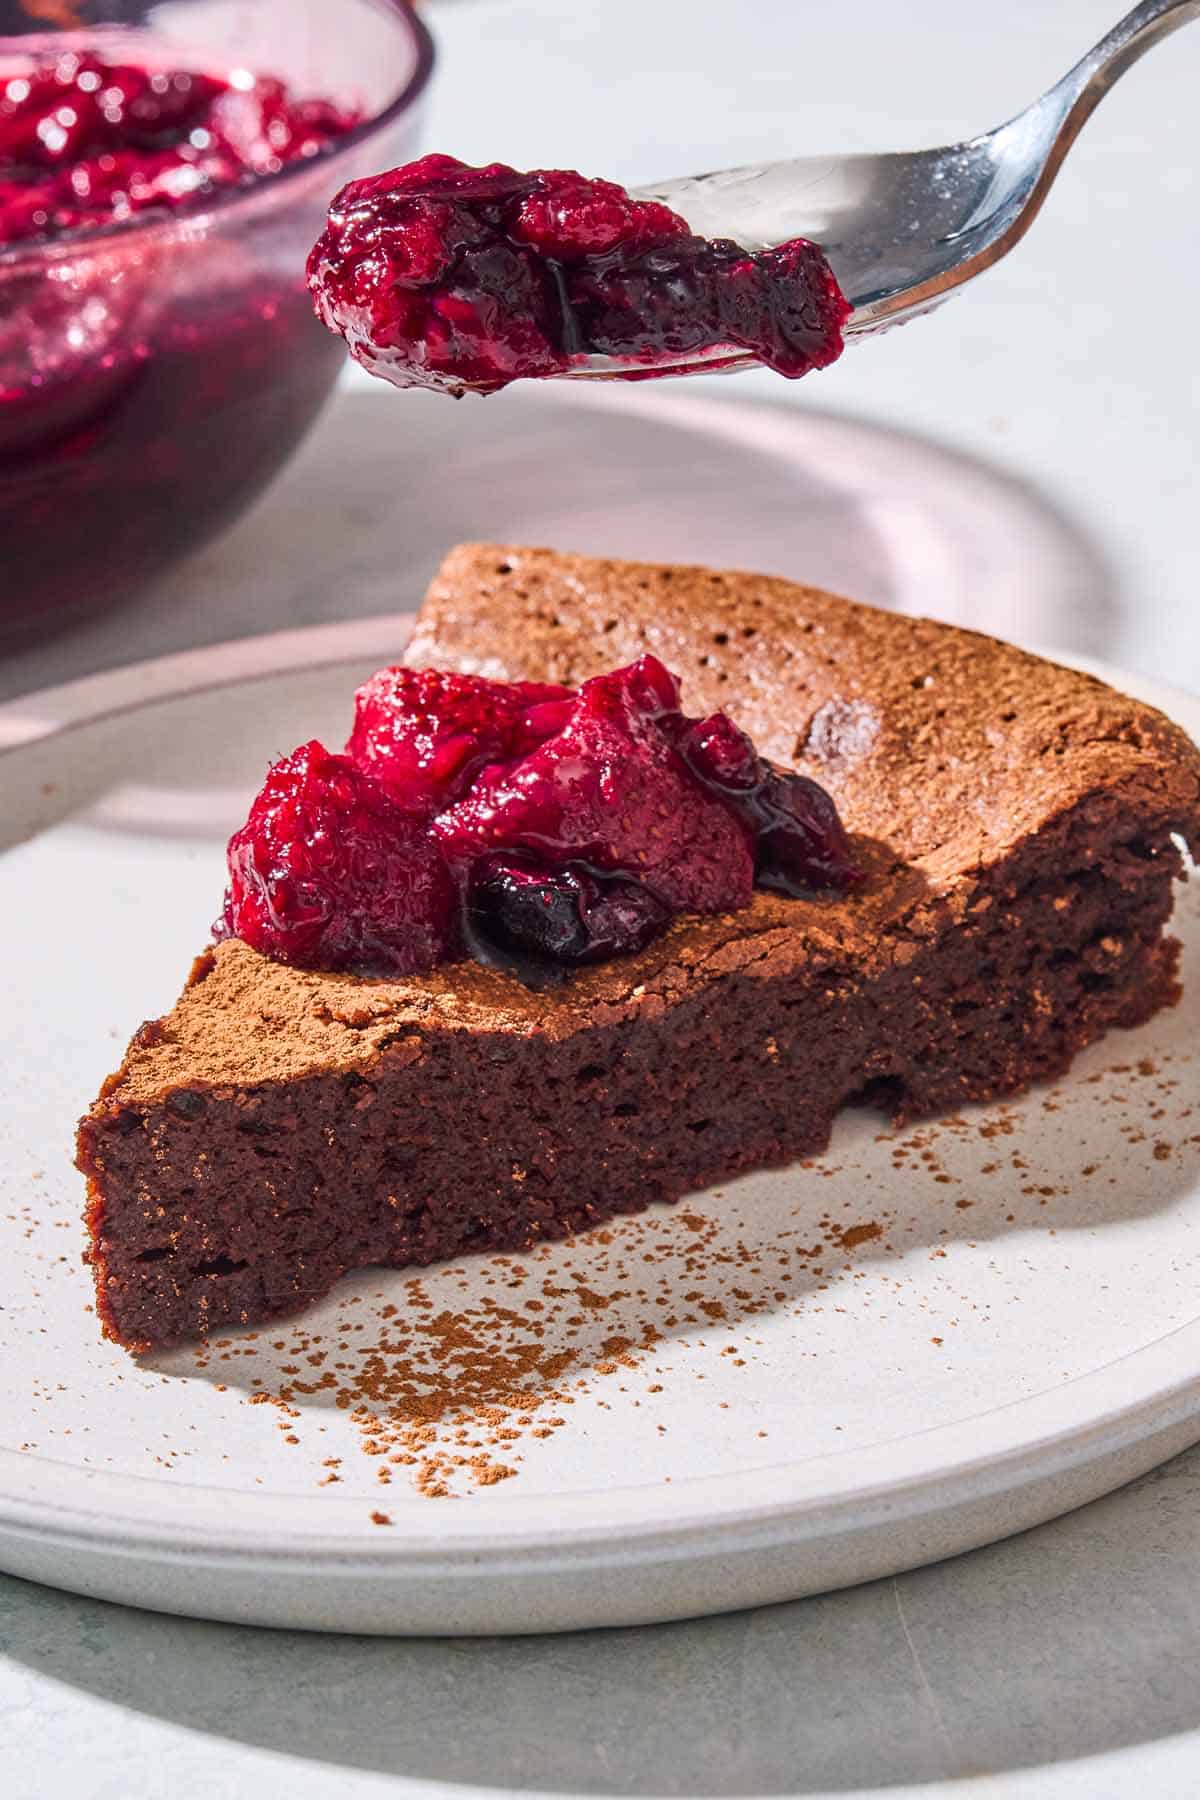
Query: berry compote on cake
(445, 276)
(1018, 827)
(526, 824)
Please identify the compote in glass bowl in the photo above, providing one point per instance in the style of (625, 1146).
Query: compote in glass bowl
(159, 359)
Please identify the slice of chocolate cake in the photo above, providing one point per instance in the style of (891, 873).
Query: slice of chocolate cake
(1020, 826)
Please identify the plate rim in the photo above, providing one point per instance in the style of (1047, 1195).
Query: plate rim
(1150, 1390)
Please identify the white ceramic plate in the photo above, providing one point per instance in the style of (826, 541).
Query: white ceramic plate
(1019, 1336)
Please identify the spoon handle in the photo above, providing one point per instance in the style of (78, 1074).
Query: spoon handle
(1118, 50)
(1040, 137)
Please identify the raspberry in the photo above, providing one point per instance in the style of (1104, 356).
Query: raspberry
(609, 790)
(329, 873)
(569, 218)
(426, 734)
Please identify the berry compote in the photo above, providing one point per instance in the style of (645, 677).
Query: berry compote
(444, 276)
(157, 354)
(535, 828)
(85, 142)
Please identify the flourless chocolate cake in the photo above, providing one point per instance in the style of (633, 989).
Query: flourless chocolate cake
(1020, 828)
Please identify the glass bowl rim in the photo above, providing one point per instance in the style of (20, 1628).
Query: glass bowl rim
(230, 200)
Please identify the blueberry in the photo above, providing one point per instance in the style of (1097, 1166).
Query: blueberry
(529, 912)
(801, 841)
(537, 921)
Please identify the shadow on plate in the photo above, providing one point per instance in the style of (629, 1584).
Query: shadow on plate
(722, 1261)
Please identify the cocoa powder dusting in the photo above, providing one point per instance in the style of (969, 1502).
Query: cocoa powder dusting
(855, 1235)
(447, 1397)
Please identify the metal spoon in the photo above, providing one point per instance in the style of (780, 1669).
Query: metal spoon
(902, 230)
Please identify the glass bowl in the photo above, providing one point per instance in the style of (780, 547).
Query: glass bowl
(155, 374)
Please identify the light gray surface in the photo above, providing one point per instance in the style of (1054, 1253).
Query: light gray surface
(1077, 1639)
(1062, 1663)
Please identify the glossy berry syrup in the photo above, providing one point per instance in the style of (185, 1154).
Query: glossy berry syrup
(443, 276)
(85, 142)
(150, 383)
(529, 826)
